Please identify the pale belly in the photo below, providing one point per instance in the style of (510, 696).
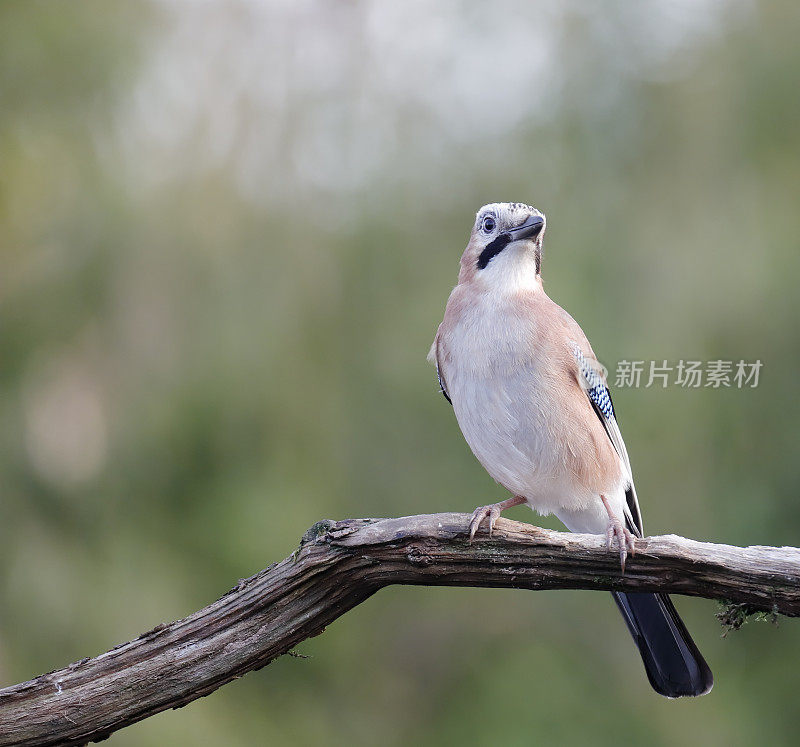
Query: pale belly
(511, 400)
(517, 434)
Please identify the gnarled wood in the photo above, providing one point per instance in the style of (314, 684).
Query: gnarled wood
(337, 566)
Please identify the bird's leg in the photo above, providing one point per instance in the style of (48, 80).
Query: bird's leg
(617, 529)
(493, 512)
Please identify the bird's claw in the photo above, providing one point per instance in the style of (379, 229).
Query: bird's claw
(479, 514)
(616, 529)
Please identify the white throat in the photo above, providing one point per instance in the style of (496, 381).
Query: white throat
(511, 271)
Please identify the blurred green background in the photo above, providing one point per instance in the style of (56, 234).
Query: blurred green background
(227, 234)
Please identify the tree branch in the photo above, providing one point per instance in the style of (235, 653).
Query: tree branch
(337, 566)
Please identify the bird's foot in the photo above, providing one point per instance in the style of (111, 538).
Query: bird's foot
(479, 514)
(492, 512)
(616, 529)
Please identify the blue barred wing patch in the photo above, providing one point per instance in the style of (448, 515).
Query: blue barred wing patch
(599, 395)
(596, 385)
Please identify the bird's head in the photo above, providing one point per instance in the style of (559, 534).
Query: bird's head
(505, 248)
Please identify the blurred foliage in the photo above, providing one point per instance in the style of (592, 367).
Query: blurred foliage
(227, 234)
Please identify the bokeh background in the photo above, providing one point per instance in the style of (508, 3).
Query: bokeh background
(227, 234)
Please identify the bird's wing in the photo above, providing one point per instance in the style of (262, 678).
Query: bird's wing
(433, 357)
(593, 381)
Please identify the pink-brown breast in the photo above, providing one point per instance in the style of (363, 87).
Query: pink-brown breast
(509, 367)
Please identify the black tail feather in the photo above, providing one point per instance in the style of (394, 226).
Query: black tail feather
(674, 666)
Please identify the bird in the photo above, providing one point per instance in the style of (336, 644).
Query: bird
(533, 404)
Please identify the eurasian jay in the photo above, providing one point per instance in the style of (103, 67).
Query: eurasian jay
(532, 402)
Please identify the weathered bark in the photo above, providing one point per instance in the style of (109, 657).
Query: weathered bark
(337, 566)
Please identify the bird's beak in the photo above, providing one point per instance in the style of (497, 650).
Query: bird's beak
(530, 229)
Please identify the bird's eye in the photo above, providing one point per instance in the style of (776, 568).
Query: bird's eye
(489, 224)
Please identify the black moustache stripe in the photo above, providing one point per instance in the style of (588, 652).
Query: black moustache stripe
(493, 248)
